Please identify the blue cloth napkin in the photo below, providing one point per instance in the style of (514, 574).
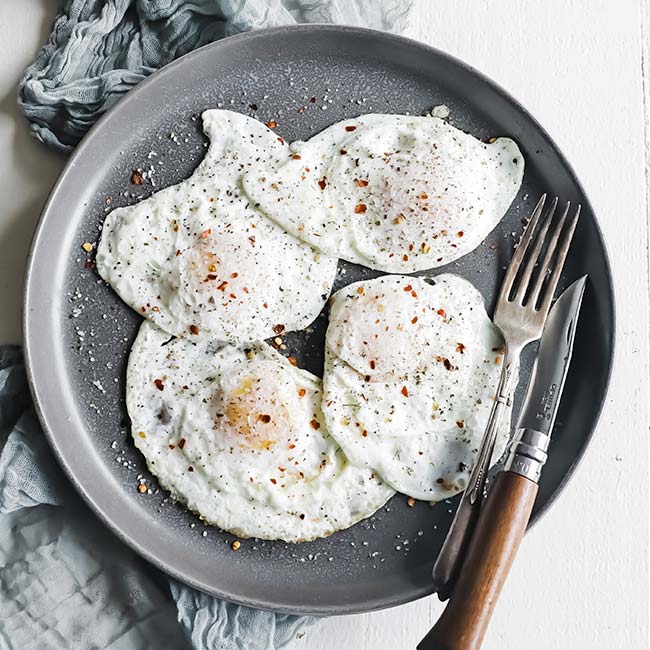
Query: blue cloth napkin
(66, 583)
(99, 50)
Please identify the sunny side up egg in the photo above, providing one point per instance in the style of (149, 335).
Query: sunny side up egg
(391, 192)
(198, 260)
(411, 370)
(239, 436)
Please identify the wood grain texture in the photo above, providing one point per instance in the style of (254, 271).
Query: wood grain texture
(499, 531)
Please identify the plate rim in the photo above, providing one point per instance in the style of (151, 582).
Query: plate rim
(30, 326)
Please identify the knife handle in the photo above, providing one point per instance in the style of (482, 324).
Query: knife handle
(499, 531)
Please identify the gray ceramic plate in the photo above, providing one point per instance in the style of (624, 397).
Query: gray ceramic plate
(78, 333)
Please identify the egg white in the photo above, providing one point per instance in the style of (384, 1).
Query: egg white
(392, 192)
(198, 260)
(411, 370)
(239, 436)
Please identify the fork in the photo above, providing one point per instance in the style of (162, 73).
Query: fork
(520, 314)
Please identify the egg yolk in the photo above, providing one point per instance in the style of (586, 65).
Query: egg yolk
(257, 411)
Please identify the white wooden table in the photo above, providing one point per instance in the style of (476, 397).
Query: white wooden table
(581, 579)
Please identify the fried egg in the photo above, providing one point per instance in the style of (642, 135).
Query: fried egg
(411, 370)
(239, 436)
(198, 260)
(391, 192)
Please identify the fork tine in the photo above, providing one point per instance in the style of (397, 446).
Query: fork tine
(550, 251)
(515, 262)
(524, 281)
(559, 264)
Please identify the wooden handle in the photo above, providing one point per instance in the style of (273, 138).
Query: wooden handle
(500, 528)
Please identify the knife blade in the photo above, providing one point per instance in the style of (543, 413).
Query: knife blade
(528, 447)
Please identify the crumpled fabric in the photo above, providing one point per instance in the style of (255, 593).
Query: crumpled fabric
(99, 50)
(67, 583)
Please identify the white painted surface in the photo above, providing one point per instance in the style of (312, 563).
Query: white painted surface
(581, 578)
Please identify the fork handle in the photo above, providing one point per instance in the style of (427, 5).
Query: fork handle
(499, 530)
(449, 561)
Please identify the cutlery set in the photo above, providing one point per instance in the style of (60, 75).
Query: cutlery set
(485, 534)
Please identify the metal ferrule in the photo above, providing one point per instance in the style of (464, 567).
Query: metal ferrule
(527, 453)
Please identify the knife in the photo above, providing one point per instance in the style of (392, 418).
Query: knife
(505, 515)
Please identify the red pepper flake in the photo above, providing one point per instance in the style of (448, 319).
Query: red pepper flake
(460, 423)
(312, 100)
(342, 152)
(405, 391)
(136, 177)
(448, 365)
(315, 424)
(414, 294)
(159, 384)
(296, 156)
(360, 208)
(292, 446)
(278, 329)
(424, 196)
(190, 469)
(350, 128)
(405, 257)
(206, 233)
(210, 276)
(222, 286)
(178, 253)
(271, 124)
(234, 275)
(364, 433)
(172, 446)
(307, 169)
(250, 478)
(274, 481)
(360, 183)
(264, 418)
(302, 392)
(414, 320)
(460, 233)
(211, 199)
(232, 296)
(194, 330)
(408, 287)
(442, 312)
(373, 365)
(460, 348)
(322, 183)
(280, 140)
(265, 305)
(293, 361)
(143, 310)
